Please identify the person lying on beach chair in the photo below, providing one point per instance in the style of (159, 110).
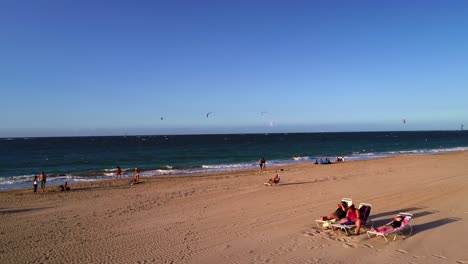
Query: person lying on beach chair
(396, 223)
(274, 180)
(338, 214)
(397, 226)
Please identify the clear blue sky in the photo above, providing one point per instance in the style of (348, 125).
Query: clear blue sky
(117, 67)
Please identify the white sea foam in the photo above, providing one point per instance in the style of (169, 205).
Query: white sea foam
(86, 180)
(25, 181)
(301, 158)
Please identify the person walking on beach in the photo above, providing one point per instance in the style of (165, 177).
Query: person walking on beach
(42, 179)
(118, 173)
(35, 183)
(262, 164)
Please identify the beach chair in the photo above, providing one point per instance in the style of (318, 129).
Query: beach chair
(397, 231)
(364, 209)
(327, 223)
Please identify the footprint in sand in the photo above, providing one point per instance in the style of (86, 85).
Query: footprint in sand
(368, 245)
(439, 256)
(415, 256)
(309, 234)
(349, 245)
(402, 251)
(319, 247)
(462, 261)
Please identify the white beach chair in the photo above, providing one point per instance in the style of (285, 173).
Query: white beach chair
(364, 209)
(397, 231)
(327, 223)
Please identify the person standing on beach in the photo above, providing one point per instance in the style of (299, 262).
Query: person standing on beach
(262, 164)
(118, 173)
(35, 183)
(42, 179)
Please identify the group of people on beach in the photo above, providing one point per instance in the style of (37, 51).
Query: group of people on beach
(328, 161)
(345, 215)
(136, 178)
(42, 180)
(350, 215)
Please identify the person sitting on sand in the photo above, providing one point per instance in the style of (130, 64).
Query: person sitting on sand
(62, 188)
(136, 179)
(338, 214)
(275, 180)
(394, 224)
(353, 216)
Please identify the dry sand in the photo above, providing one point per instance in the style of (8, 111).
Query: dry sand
(234, 218)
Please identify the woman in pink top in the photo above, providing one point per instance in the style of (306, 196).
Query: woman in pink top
(353, 216)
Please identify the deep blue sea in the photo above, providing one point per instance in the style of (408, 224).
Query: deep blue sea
(78, 159)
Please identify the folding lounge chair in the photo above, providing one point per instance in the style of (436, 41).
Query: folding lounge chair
(327, 223)
(364, 209)
(397, 231)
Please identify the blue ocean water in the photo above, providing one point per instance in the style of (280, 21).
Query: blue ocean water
(77, 159)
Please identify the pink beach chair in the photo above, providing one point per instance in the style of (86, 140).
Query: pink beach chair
(397, 231)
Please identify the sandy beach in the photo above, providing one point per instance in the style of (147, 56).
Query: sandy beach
(234, 218)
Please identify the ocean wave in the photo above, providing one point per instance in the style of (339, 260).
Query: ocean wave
(301, 158)
(86, 180)
(23, 181)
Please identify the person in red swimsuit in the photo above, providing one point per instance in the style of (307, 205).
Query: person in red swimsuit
(353, 216)
(118, 173)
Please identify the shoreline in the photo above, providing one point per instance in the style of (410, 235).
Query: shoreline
(59, 180)
(233, 218)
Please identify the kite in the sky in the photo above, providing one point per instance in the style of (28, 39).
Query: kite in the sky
(208, 114)
(162, 118)
(404, 120)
